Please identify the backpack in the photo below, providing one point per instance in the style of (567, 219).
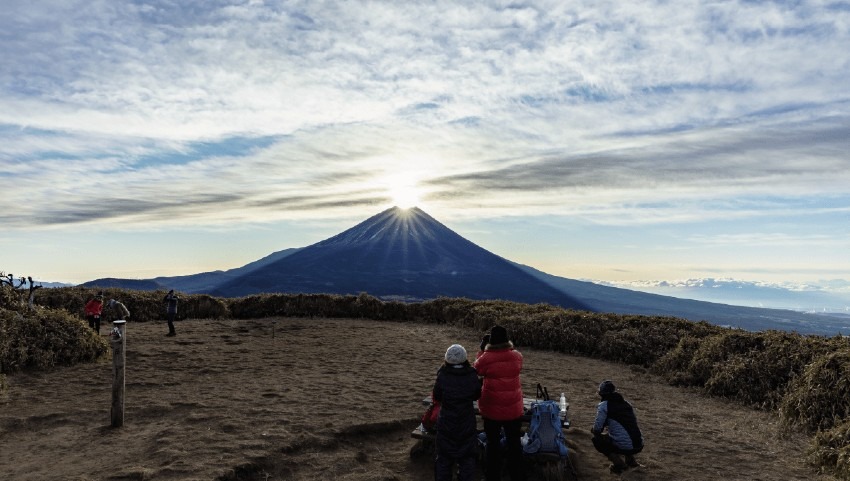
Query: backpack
(544, 429)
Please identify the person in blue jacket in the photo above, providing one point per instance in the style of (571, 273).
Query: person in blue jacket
(623, 436)
(456, 388)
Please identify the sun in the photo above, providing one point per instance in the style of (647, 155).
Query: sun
(404, 197)
(403, 190)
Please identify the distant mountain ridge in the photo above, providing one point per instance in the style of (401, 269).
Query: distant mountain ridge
(826, 296)
(408, 255)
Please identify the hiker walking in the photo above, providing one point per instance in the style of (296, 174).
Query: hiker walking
(501, 404)
(93, 311)
(623, 436)
(171, 310)
(456, 388)
(123, 312)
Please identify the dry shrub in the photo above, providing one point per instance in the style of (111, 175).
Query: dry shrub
(819, 398)
(675, 365)
(830, 450)
(43, 338)
(143, 305)
(9, 298)
(754, 368)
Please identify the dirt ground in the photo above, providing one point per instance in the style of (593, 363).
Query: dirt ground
(304, 399)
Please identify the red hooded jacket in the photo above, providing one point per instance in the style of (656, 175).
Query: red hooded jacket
(94, 307)
(501, 395)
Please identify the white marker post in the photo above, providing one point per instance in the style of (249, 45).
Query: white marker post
(119, 357)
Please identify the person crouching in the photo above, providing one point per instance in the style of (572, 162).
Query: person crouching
(456, 388)
(623, 436)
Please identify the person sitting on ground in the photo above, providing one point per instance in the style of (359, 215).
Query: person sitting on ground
(93, 311)
(123, 312)
(501, 404)
(623, 436)
(456, 388)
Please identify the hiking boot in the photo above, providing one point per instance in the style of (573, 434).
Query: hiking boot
(617, 466)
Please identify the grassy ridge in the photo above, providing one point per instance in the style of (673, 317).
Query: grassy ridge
(804, 379)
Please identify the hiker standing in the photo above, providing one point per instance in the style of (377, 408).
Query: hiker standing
(171, 310)
(123, 312)
(501, 403)
(456, 389)
(623, 436)
(93, 310)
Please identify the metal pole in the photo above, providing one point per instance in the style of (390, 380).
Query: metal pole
(119, 357)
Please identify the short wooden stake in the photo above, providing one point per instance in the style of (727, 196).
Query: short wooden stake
(118, 340)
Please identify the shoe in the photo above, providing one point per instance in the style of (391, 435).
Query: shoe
(617, 469)
(632, 462)
(171, 334)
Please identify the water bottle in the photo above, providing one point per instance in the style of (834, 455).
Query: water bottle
(563, 403)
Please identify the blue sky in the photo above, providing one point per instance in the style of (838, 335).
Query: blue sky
(617, 141)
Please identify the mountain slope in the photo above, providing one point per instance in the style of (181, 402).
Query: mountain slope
(398, 254)
(624, 301)
(192, 283)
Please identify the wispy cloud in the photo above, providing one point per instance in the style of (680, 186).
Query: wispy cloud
(163, 112)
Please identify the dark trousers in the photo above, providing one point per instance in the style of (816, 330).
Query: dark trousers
(94, 322)
(463, 453)
(603, 444)
(171, 322)
(493, 469)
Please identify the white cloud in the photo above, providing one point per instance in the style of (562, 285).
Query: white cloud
(614, 113)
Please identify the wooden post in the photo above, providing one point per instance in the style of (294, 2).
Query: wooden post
(118, 341)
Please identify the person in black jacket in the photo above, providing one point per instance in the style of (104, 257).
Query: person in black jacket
(623, 437)
(171, 301)
(457, 387)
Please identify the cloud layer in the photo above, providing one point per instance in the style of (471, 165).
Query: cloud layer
(219, 112)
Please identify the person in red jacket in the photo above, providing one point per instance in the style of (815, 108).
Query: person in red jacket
(93, 310)
(500, 404)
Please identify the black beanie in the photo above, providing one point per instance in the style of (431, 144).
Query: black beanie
(606, 387)
(498, 335)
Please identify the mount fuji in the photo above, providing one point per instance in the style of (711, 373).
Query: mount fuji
(400, 254)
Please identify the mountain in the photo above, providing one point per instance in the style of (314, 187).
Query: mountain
(193, 283)
(623, 301)
(398, 254)
(831, 296)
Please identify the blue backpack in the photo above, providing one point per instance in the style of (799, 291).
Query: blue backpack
(544, 430)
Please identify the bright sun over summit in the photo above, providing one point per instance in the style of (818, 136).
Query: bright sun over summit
(404, 193)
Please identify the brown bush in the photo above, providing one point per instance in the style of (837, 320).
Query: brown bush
(819, 399)
(830, 450)
(43, 338)
(143, 305)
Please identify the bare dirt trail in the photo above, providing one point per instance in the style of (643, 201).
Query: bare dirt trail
(337, 399)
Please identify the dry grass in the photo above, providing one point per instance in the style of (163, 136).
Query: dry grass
(805, 378)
